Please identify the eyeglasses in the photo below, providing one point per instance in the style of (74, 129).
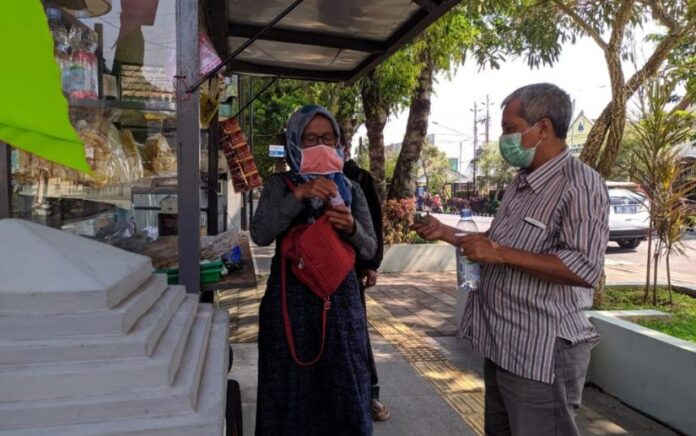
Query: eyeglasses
(312, 139)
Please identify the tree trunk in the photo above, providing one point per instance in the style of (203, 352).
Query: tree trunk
(405, 174)
(656, 265)
(346, 113)
(669, 276)
(347, 123)
(617, 118)
(593, 144)
(592, 151)
(598, 296)
(376, 115)
(649, 263)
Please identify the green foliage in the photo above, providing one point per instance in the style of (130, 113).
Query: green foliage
(496, 172)
(512, 28)
(682, 306)
(271, 113)
(625, 166)
(434, 165)
(362, 155)
(390, 159)
(394, 80)
(274, 107)
(661, 132)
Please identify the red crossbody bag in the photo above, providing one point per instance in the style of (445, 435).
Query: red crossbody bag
(321, 260)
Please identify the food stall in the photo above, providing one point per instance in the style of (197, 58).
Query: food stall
(143, 80)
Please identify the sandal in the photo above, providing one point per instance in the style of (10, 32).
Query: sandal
(380, 412)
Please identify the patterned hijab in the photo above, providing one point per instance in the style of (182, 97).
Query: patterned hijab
(293, 149)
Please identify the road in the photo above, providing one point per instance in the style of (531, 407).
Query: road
(685, 264)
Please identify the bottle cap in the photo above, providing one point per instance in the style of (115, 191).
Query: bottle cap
(465, 213)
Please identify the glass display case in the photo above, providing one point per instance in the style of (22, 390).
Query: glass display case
(119, 71)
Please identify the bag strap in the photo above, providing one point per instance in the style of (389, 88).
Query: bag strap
(286, 317)
(288, 181)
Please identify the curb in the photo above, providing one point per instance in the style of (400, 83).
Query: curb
(681, 288)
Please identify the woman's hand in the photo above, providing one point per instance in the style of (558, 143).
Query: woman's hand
(430, 228)
(322, 188)
(341, 218)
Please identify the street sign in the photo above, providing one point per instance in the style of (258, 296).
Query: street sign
(276, 151)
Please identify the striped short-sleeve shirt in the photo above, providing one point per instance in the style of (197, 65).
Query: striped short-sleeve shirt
(513, 319)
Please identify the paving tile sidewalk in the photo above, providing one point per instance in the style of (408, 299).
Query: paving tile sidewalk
(432, 384)
(425, 303)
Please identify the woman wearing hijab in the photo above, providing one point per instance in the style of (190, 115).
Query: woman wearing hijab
(333, 395)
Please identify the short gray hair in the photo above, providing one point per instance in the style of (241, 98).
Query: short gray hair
(544, 100)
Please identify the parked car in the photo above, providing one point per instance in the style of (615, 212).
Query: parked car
(629, 216)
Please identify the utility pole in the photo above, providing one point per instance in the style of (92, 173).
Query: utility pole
(476, 121)
(488, 121)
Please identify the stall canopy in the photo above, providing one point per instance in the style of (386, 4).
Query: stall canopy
(326, 40)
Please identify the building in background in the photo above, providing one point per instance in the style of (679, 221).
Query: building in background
(452, 145)
(577, 133)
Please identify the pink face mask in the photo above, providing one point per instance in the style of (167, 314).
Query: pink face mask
(320, 159)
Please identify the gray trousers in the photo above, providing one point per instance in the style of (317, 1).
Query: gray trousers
(518, 406)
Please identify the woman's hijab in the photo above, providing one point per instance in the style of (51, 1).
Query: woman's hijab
(293, 148)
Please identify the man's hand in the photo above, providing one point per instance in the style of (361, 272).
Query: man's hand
(370, 278)
(341, 218)
(479, 248)
(430, 229)
(322, 188)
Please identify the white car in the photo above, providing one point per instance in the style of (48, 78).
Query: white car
(629, 216)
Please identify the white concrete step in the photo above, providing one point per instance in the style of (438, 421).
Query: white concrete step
(45, 270)
(207, 420)
(77, 322)
(35, 382)
(139, 342)
(165, 401)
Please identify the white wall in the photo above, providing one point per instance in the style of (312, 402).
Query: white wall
(648, 370)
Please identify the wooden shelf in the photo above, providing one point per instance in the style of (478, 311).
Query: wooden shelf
(144, 105)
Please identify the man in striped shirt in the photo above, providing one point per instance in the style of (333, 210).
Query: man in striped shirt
(540, 260)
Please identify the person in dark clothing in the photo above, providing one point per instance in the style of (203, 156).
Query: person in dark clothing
(367, 269)
(332, 396)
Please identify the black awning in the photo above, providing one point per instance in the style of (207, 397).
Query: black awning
(326, 40)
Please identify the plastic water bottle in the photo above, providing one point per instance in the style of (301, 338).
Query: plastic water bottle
(83, 68)
(61, 46)
(468, 272)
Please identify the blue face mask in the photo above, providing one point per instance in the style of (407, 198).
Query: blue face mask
(512, 151)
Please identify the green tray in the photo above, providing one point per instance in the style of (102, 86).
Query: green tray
(210, 272)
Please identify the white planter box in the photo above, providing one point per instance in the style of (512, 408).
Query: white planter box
(418, 258)
(648, 370)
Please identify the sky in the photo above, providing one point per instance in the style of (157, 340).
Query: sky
(580, 70)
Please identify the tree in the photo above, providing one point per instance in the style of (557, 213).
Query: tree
(385, 90)
(434, 166)
(661, 132)
(343, 101)
(625, 164)
(440, 48)
(390, 158)
(362, 155)
(274, 107)
(486, 30)
(620, 19)
(271, 113)
(495, 170)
